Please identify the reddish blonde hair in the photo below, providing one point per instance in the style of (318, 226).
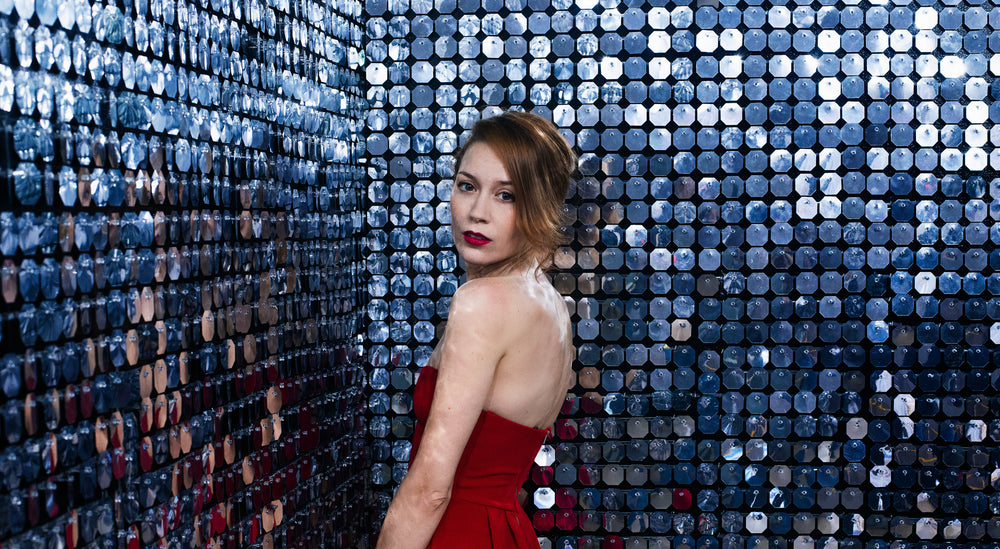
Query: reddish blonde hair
(539, 163)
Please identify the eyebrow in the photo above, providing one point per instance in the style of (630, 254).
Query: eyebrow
(504, 183)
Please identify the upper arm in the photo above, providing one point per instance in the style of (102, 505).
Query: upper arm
(473, 344)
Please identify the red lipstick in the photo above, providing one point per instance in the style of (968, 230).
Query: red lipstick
(475, 239)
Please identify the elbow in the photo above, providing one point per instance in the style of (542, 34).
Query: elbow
(425, 490)
(435, 499)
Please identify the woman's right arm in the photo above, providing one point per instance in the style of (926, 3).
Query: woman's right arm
(478, 334)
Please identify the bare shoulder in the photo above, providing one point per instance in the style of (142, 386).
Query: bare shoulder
(489, 298)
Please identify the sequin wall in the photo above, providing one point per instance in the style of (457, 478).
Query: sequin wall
(180, 238)
(783, 266)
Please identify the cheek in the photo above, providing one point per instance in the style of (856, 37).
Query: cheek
(515, 230)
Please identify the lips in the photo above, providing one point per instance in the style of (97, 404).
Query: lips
(475, 239)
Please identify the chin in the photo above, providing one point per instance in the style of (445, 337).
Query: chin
(476, 260)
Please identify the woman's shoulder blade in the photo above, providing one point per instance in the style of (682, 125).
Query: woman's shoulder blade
(492, 297)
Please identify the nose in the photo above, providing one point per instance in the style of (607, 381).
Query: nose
(479, 208)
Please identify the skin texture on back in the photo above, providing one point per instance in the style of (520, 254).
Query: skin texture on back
(538, 365)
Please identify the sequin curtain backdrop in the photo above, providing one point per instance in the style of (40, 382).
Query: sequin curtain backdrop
(783, 267)
(181, 198)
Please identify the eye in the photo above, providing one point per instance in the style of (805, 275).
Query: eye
(506, 196)
(463, 185)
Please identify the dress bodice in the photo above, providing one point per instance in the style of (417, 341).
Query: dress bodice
(497, 457)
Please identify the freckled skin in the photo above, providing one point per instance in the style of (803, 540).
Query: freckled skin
(538, 288)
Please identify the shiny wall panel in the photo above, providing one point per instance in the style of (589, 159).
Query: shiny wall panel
(782, 269)
(180, 228)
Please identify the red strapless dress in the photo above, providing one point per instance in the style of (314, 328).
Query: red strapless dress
(483, 511)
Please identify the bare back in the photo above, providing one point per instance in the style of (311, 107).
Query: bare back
(535, 372)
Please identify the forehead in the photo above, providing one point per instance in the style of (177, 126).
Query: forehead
(482, 163)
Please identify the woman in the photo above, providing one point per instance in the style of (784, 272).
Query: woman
(500, 374)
